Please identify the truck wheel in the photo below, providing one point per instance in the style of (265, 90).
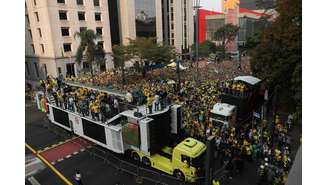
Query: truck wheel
(135, 156)
(179, 175)
(146, 161)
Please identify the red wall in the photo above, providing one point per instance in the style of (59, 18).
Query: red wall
(202, 23)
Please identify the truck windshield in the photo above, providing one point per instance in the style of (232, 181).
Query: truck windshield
(198, 161)
(218, 117)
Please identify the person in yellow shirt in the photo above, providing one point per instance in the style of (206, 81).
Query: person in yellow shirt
(150, 100)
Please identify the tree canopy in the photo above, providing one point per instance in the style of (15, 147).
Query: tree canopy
(94, 54)
(205, 48)
(277, 58)
(223, 35)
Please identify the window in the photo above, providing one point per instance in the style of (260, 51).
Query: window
(96, 2)
(79, 2)
(185, 158)
(62, 15)
(32, 45)
(172, 26)
(27, 69)
(172, 16)
(59, 70)
(172, 41)
(27, 19)
(81, 16)
(67, 47)
(65, 31)
(44, 66)
(172, 35)
(36, 69)
(37, 16)
(34, 1)
(171, 1)
(99, 30)
(42, 48)
(40, 33)
(101, 44)
(97, 16)
(83, 29)
(61, 1)
(30, 32)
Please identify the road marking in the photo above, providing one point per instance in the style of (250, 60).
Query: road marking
(33, 181)
(55, 145)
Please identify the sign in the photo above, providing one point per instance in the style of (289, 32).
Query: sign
(257, 115)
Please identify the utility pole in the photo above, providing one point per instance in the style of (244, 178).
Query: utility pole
(196, 7)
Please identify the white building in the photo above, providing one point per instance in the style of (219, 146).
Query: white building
(51, 24)
(50, 27)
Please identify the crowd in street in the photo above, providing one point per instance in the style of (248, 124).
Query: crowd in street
(265, 142)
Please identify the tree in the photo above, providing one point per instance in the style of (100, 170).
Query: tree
(277, 58)
(148, 52)
(87, 47)
(224, 35)
(205, 48)
(120, 55)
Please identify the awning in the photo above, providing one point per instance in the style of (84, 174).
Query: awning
(248, 79)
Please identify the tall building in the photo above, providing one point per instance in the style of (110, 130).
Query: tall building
(51, 25)
(170, 21)
(50, 28)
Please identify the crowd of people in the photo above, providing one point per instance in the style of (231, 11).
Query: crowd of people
(265, 142)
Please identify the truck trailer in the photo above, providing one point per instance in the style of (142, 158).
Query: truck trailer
(149, 138)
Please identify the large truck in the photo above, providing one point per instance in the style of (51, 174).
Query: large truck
(148, 138)
(236, 107)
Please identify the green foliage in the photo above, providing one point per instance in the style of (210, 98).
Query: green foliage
(223, 35)
(277, 58)
(149, 52)
(87, 47)
(120, 55)
(205, 48)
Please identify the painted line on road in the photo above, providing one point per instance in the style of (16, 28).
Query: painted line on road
(33, 181)
(55, 145)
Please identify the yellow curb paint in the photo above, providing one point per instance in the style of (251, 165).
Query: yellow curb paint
(61, 176)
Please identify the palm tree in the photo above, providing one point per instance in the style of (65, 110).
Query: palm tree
(88, 48)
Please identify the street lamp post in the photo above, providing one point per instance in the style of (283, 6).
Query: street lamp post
(196, 7)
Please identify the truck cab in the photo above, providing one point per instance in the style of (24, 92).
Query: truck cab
(223, 115)
(185, 161)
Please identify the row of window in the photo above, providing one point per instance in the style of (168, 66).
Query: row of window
(65, 30)
(80, 15)
(66, 46)
(79, 2)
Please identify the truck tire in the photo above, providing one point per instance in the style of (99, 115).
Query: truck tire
(179, 175)
(146, 161)
(135, 156)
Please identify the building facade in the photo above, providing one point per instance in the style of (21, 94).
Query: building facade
(170, 21)
(50, 28)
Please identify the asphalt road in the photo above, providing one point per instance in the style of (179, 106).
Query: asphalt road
(95, 171)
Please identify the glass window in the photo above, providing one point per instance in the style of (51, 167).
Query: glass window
(36, 69)
(27, 19)
(145, 12)
(95, 2)
(59, 70)
(42, 48)
(62, 15)
(45, 69)
(61, 1)
(83, 29)
(101, 44)
(172, 26)
(79, 2)
(65, 31)
(67, 47)
(37, 16)
(30, 32)
(27, 69)
(33, 49)
(34, 1)
(185, 158)
(99, 30)
(40, 33)
(81, 16)
(97, 16)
